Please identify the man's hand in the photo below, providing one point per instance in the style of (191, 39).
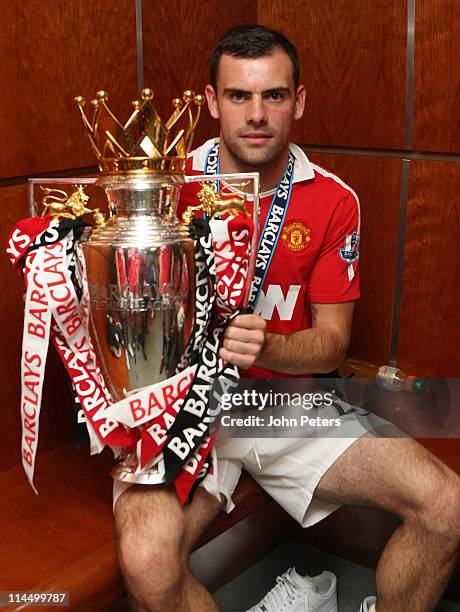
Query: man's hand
(243, 340)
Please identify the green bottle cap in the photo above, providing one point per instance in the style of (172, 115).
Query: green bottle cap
(418, 385)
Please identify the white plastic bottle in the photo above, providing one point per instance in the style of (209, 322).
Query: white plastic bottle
(386, 377)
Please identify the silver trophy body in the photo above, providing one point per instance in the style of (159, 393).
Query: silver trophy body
(140, 274)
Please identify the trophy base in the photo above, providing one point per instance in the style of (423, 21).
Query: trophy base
(127, 470)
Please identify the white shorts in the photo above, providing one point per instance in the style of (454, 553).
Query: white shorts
(288, 469)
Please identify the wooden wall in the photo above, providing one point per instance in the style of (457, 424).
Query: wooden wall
(381, 112)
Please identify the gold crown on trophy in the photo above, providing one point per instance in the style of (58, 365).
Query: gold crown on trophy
(144, 143)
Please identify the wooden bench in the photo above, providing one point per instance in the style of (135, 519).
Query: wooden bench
(64, 540)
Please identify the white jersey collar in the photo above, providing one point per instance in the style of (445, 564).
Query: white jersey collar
(302, 167)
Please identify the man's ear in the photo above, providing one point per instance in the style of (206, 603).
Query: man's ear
(211, 98)
(299, 102)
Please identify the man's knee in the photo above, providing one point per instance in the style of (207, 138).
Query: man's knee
(151, 534)
(437, 507)
(157, 556)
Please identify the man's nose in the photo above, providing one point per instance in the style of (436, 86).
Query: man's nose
(256, 114)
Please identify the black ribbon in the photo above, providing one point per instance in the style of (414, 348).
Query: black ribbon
(205, 282)
(192, 424)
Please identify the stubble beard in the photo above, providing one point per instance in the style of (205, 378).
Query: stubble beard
(256, 157)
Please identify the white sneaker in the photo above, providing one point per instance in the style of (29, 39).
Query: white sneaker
(367, 604)
(295, 593)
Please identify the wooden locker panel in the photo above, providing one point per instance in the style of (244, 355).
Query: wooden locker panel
(56, 423)
(55, 51)
(430, 308)
(437, 75)
(377, 181)
(179, 37)
(353, 59)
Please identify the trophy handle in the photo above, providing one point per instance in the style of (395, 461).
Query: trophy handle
(214, 204)
(61, 205)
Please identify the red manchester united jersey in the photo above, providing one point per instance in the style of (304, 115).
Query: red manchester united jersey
(316, 257)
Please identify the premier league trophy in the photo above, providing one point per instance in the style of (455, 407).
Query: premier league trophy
(145, 299)
(140, 265)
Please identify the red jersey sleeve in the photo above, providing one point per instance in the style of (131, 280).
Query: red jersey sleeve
(335, 275)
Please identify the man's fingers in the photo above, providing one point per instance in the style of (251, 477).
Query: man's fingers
(245, 348)
(249, 321)
(244, 335)
(242, 361)
(243, 340)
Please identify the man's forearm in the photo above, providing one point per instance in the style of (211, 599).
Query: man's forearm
(319, 349)
(304, 352)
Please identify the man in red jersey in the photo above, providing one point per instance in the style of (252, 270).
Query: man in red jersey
(306, 286)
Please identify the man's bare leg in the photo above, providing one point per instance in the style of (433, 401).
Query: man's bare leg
(400, 476)
(155, 536)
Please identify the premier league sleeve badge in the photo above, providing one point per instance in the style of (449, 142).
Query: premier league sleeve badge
(350, 252)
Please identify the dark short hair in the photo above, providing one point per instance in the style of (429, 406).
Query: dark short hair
(251, 41)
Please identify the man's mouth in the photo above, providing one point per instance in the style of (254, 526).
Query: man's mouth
(256, 137)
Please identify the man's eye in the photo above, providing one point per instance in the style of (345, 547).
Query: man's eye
(275, 95)
(238, 96)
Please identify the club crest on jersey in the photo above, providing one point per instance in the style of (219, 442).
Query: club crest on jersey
(350, 253)
(296, 236)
